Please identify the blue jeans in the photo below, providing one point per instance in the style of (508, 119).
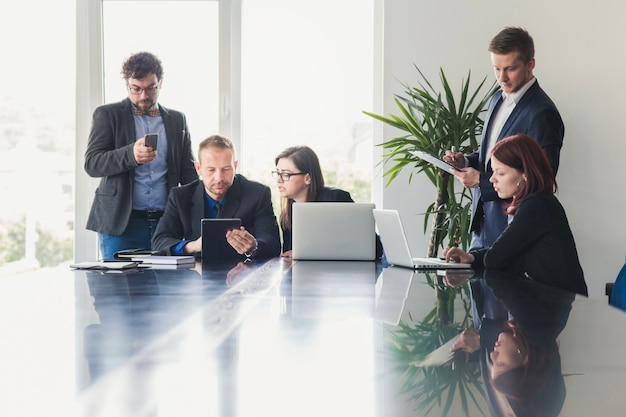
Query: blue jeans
(138, 235)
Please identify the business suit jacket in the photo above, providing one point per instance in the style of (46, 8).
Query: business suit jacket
(534, 115)
(109, 155)
(328, 194)
(537, 244)
(247, 200)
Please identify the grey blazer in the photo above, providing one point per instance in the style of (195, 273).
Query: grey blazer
(109, 156)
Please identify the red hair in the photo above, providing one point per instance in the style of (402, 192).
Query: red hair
(526, 381)
(524, 154)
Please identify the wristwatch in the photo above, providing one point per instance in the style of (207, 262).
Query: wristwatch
(254, 251)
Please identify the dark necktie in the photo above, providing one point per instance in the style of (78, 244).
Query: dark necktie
(217, 210)
(151, 112)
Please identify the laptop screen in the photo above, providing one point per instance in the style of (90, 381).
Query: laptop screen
(333, 231)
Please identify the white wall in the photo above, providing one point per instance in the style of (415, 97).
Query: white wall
(580, 60)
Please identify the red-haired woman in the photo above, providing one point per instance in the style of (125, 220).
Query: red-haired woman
(538, 242)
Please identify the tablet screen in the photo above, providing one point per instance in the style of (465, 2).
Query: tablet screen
(435, 161)
(214, 244)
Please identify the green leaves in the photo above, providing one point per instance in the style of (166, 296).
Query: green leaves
(435, 121)
(433, 389)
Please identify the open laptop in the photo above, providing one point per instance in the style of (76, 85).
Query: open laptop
(396, 247)
(332, 231)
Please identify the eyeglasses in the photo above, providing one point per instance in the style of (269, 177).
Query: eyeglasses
(138, 90)
(286, 175)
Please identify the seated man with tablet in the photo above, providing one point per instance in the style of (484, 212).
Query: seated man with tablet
(222, 194)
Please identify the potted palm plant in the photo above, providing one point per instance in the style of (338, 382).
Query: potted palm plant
(435, 122)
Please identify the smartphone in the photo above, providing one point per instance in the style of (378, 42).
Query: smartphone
(151, 140)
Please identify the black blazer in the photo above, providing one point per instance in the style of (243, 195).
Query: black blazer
(109, 156)
(247, 200)
(539, 244)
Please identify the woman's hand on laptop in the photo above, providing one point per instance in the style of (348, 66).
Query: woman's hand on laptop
(456, 254)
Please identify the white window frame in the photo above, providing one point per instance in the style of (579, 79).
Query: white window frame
(90, 94)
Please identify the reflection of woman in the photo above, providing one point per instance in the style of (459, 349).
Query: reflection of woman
(299, 177)
(521, 367)
(538, 242)
(519, 323)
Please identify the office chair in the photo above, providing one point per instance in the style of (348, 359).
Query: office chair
(617, 296)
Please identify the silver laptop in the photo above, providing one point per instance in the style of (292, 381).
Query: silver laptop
(324, 231)
(396, 247)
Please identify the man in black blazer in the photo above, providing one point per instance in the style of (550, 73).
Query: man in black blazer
(135, 177)
(219, 193)
(520, 106)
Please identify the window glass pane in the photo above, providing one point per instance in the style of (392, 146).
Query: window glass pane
(184, 35)
(307, 75)
(37, 112)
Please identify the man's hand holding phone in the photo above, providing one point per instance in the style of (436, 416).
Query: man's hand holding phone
(146, 150)
(152, 140)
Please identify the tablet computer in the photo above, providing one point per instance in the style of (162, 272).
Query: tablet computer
(435, 161)
(214, 244)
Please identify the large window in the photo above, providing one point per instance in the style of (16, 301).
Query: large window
(37, 84)
(267, 73)
(184, 35)
(307, 75)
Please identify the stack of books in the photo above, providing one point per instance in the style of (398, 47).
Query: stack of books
(165, 261)
(135, 253)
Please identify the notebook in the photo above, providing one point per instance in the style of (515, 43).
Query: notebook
(332, 231)
(165, 259)
(396, 247)
(214, 244)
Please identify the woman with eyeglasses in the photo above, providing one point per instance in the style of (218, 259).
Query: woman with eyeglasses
(299, 178)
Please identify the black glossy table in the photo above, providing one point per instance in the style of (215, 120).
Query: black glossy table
(282, 339)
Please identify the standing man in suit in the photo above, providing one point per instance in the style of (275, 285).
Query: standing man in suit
(520, 106)
(136, 177)
(221, 193)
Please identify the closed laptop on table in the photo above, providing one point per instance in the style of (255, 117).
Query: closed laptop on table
(333, 231)
(396, 247)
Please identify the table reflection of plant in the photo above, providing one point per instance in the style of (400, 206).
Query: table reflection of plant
(440, 385)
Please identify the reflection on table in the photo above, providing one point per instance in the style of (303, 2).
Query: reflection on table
(519, 324)
(304, 338)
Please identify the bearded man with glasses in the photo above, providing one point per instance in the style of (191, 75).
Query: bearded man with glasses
(136, 174)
